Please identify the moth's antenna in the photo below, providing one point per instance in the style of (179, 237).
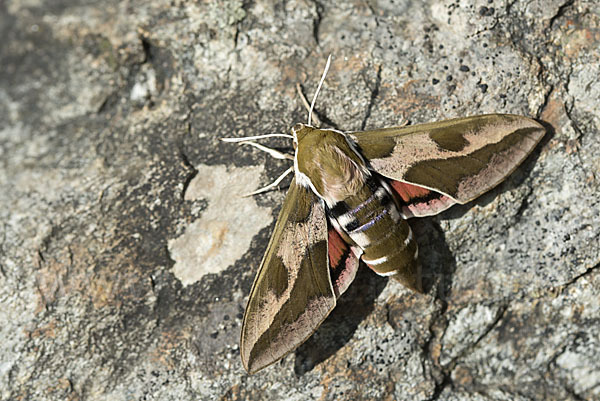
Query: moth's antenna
(250, 138)
(312, 105)
(315, 119)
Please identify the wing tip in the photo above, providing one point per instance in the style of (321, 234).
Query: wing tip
(251, 368)
(256, 358)
(256, 363)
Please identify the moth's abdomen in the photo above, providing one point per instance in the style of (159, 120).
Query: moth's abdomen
(372, 220)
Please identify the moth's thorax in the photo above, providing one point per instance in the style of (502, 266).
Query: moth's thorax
(328, 161)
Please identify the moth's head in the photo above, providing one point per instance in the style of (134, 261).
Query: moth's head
(299, 131)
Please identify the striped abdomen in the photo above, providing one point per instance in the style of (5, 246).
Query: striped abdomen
(372, 220)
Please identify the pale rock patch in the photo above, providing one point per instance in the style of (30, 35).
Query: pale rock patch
(224, 231)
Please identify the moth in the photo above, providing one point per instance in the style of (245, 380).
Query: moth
(348, 202)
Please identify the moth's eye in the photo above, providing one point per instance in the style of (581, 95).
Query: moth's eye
(297, 127)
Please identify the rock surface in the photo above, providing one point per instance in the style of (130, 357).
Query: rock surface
(111, 165)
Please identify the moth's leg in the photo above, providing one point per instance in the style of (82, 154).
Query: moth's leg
(272, 185)
(274, 153)
(315, 119)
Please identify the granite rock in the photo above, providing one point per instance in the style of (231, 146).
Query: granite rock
(114, 186)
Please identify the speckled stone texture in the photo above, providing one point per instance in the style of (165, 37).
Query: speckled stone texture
(111, 167)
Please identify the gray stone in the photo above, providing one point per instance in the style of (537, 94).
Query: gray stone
(111, 168)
